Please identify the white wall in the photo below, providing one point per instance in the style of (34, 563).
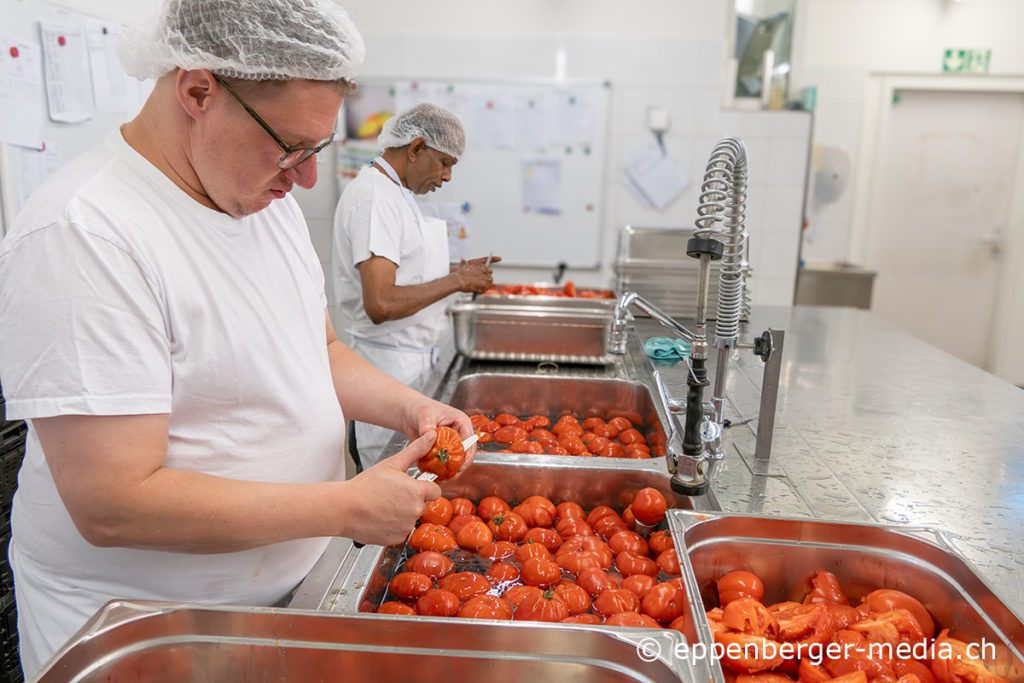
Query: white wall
(839, 44)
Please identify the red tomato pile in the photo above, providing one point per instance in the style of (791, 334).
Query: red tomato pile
(569, 289)
(538, 561)
(614, 438)
(889, 637)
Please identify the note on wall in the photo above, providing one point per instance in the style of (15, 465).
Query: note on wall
(113, 90)
(21, 98)
(32, 168)
(542, 186)
(66, 70)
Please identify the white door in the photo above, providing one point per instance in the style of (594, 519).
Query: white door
(939, 214)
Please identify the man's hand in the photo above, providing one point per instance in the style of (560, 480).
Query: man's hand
(426, 415)
(385, 501)
(475, 275)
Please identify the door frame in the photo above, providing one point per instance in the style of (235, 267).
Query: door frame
(1007, 324)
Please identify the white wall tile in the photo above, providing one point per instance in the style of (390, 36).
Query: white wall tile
(783, 208)
(788, 160)
(773, 291)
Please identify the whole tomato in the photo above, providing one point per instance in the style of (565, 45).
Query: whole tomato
(542, 606)
(509, 433)
(540, 573)
(633, 619)
(438, 511)
(462, 506)
(640, 584)
(592, 422)
(505, 419)
(595, 581)
(431, 564)
(574, 597)
(664, 603)
(631, 436)
(474, 535)
(465, 584)
(613, 450)
(737, 584)
(502, 574)
(569, 509)
(573, 526)
(437, 603)
(498, 550)
(600, 512)
(628, 540)
(649, 506)
(460, 521)
(585, 618)
(538, 422)
(630, 563)
(395, 607)
(622, 423)
(606, 431)
(548, 538)
(446, 455)
(668, 562)
(613, 600)
(508, 526)
(606, 527)
(535, 514)
(529, 551)
(486, 607)
(409, 586)
(576, 562)
(515, 594)
(491, 506)
(433, 537)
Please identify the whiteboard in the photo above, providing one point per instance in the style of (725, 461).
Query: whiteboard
(530, 186)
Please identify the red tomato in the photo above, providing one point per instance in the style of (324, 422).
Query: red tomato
(538, 422)
(588, 618)
(541, 573)
(465, 585)
(628, 540)
(542, 606)
(628, 518)
(431, 564)
(549, 538)
(438, 511)
(515, 594)
(613, 600)
(907, 667)
(858, 655)
(753, 652)
(640, 584)
(750, 616)
(649, 506)
(668, 562)
(563, 429)
(664, 602)
(592, 544)
(570, 288)
(437, 603)
(660, 541)
(576, 562)
(557, 450)
(606, 527)
(462, 506)
(592, 422)
(491, 506)
(574, 597)
(630, 436)
(613, 450)
(826, 590)
(509, 434)
(393, 607)
(595, 582)
(498, 550)
(524, 446)
(486, 607)
(572, 445)
(460, 521)
(621, 423)
(504, 419)
(502, 574)
(508, 526)
(573, 526)
(540, 434)
(544, 503)
(739, 583)
(474, 535)
(446, 455)
(599, 512)
(633, 619)
(766, 677)
(606, 431)
(432, 537)
(802, 624)
(532, 550)
(887, 599)
(409, 586)
(842, 615)
(638, 450)
(598, 444)
(630, 563)
(478, 421)
(534, 514)
(489, 428)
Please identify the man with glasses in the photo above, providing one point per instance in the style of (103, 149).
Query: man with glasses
(165, 335)
(391, 268)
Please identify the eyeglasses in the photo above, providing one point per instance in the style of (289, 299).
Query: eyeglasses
(293, 155)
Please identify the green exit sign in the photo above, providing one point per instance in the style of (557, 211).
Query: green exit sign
(955, 60)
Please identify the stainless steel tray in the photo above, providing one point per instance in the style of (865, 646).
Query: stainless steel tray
(533, 328)
(916, 560)
(174, 643)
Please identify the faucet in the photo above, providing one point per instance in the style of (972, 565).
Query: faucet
(718, 234)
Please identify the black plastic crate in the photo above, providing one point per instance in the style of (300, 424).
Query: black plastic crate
(12, 436)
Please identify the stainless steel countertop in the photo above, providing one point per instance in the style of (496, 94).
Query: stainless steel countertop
(875, 425)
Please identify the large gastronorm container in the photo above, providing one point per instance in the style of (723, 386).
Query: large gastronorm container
(533, 328)
(361, 586)
(150, 642)
(786, 553)
(554, 396)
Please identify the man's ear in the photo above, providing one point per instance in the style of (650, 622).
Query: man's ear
(416, 148)
(193, 89)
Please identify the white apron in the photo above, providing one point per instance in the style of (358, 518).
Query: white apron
(409, 365)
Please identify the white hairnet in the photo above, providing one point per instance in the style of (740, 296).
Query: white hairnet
(252, 39)
(438, 127)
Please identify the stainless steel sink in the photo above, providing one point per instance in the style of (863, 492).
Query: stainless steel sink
(167, 643)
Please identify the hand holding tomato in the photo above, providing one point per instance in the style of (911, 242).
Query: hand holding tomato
(446, 456)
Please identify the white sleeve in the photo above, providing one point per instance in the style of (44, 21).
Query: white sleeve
(83, 328)
(374, 224)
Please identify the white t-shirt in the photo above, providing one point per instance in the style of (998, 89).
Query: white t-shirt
(120, 294)
(374, 218)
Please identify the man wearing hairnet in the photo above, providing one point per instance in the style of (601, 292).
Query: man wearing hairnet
(165, 335)
(391, 264)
